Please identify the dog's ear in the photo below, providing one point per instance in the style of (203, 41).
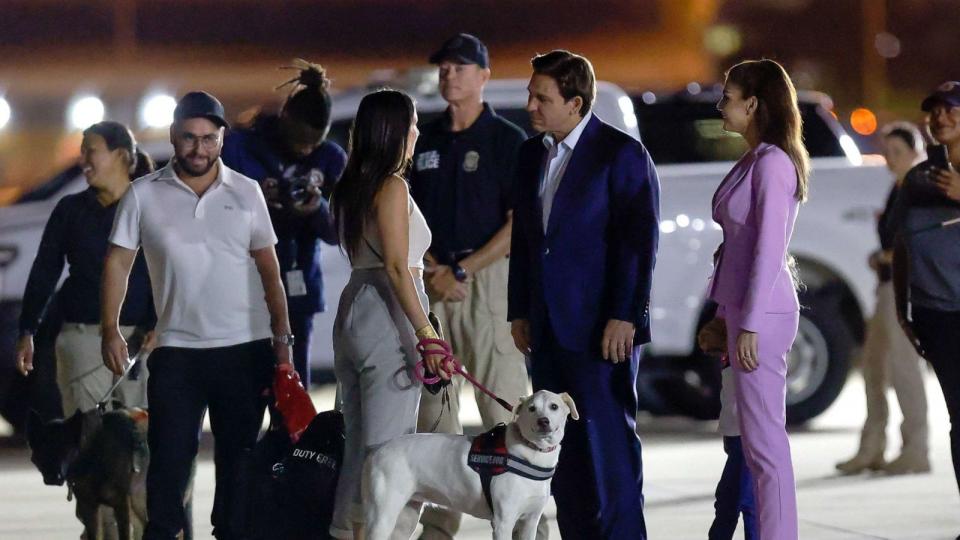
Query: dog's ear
(73, 427)
(520, 403)
(573, 406)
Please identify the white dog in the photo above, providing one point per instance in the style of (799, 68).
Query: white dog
(510, 487)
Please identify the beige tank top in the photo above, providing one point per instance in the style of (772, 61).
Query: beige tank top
(370, 254)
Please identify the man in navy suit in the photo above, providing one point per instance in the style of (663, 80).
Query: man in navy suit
(585, 233)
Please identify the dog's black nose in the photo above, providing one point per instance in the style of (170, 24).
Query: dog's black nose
(543, 421)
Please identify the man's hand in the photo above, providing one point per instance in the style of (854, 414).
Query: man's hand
(520, 329)
(948, 182)
(25, 354)
(149, 342)
(712, 338)
(271, 192)
(444, 285)
(310, 204)
(748, 354)
(617, 342)
(114, 350)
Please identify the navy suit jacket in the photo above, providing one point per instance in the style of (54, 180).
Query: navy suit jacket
(595, 261)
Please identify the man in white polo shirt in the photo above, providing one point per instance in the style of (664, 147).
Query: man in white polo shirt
(221, 309)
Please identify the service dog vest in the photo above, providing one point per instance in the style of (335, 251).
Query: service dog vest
(489, 457)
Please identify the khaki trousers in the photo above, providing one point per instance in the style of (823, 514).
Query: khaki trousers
(479, 333)
(81, 376)
(889, 359)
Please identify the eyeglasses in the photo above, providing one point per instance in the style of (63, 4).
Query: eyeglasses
(207, 141)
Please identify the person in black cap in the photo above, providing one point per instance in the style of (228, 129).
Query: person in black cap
(926, 257)
(297, 169)
(222, 321)
(462, 180)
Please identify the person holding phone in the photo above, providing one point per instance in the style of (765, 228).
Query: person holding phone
(926, 260)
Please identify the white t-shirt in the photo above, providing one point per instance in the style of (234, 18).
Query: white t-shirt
(206, 286)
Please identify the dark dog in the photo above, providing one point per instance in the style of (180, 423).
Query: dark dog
(104, 460)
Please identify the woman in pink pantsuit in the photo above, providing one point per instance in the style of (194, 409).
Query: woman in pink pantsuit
(756, 205)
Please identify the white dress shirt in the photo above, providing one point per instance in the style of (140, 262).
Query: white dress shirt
(558, 156)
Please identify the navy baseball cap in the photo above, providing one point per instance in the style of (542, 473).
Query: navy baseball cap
(200, 105)
(947, 93)
(464, 49)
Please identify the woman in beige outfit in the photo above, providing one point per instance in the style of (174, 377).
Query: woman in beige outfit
(888, 357)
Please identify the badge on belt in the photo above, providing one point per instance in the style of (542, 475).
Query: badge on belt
(471, 160)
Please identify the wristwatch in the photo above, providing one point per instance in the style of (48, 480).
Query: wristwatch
(458, 272)
(285, 339)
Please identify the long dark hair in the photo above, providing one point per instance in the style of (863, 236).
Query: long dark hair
(309, 99)
(117, 135)
(778, 115)
(378, 146)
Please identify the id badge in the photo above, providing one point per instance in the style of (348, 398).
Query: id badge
(296, 286)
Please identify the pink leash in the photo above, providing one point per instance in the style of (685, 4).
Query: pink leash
(450, 360)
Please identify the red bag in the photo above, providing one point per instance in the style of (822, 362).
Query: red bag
(292, 401)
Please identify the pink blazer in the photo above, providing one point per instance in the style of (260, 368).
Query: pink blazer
(756, 206)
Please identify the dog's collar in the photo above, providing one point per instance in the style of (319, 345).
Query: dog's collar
(530, 444)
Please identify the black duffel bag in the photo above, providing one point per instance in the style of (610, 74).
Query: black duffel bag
(287, 491)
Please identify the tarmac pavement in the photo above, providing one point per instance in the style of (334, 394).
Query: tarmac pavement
(682, 462)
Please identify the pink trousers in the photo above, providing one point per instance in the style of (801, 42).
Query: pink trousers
(761, 403)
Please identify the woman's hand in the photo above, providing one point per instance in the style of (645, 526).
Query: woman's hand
(748, 350)
(114, 350)
(25, 354)
(948, 182)
(712, 338)
(435, 357)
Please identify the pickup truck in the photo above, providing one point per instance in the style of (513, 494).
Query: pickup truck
(833, 238)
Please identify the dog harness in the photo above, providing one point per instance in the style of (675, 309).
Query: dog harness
(489, 457)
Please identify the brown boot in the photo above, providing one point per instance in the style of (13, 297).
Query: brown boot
(862, 462)
(908, 464)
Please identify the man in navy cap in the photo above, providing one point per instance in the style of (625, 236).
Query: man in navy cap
(222, 314)
(462, 180)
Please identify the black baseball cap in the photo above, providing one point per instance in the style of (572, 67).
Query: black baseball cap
(200, 105)
(947, 93)
(463, 48)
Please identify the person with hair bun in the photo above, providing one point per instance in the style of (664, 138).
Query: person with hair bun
(297, 169)
(77, 235)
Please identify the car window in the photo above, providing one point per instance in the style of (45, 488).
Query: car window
(51, 187)
(691, 132)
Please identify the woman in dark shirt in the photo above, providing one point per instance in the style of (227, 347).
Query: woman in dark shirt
(76, 234)
(888, 357)
(926, 259)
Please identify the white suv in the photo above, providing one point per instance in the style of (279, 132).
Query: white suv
(833, 237)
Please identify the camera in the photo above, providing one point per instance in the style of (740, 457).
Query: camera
(297, 188)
